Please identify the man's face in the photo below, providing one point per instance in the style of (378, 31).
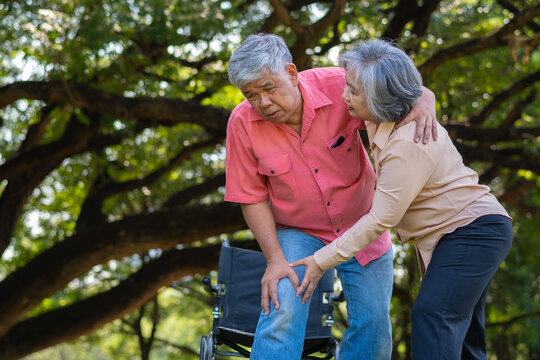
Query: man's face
(276, 97)
(355, 99)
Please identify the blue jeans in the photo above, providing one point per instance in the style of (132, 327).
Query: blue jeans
(367, 289)
(448, 317)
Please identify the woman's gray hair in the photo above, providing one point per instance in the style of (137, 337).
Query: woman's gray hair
(257, 55)
(387, 76)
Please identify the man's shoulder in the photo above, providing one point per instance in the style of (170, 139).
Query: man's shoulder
(325, 75)
(242, 111)
(329, 81)
(240, 116)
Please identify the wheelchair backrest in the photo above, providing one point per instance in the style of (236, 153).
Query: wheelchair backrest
(240, 273)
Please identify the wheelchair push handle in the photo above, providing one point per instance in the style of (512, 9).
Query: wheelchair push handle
(207, 282)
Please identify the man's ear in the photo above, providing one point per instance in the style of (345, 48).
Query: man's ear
(293, 73)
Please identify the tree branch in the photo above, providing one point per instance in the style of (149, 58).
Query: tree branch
(27, 170)
(35, 131)
(512, 158)
(105, 187)
(517, 110)
(515, 194)
(270, 23)
(500, 98)
(333, 15)
(336, 40)
(510, 7)
(51, 270)
(497, 38)
(195, 191)
(72, 321)
(422, 19)
(273, 20)
(514, 319)
(152, 177)
(285, 16)
(85, 97)
(73, 141)
(404, 12)
(490, 135)
(315, 31)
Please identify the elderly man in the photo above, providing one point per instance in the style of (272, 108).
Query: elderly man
(296, 164)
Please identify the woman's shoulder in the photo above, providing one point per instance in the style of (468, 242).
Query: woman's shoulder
(408, 131)
(403, 138)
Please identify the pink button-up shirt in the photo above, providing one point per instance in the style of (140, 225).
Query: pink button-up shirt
(320, 182)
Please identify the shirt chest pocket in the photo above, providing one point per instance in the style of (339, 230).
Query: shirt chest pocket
(281, 181)
(347, 156)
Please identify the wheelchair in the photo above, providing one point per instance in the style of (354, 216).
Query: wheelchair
(237, 308)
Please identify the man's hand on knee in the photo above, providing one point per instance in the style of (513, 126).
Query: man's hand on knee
(275, 271)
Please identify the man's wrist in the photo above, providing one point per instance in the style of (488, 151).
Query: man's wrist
(275, 259)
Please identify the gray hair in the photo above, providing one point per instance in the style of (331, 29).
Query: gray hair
(387, 76)
(257, 55)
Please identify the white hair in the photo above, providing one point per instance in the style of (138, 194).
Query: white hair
(387, 76)
(257, 55)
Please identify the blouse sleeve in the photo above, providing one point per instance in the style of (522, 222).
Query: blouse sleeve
(404, 170)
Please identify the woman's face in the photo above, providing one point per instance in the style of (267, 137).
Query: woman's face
(355, 99)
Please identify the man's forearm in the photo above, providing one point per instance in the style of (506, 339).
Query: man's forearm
(260, 220)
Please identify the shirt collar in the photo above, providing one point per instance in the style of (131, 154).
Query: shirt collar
(312, 99)
(311, 95)
(384, 129)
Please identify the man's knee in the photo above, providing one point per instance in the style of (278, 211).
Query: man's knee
(290, 307)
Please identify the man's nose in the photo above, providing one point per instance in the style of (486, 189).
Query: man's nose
(265, 100)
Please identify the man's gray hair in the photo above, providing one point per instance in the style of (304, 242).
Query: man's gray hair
(387, 76)
(257, 55)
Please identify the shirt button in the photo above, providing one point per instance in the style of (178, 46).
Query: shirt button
(328, 203)
(316, 170)
(337, 230)
(272, 172)
(349, 149)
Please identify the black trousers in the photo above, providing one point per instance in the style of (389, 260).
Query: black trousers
(448, 320)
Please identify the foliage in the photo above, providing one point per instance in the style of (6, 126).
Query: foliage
(112, 124)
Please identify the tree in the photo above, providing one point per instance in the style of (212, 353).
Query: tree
(112, 122)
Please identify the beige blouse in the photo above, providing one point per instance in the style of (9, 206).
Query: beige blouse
(424, 191)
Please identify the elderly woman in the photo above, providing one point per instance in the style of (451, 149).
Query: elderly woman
(460, 231)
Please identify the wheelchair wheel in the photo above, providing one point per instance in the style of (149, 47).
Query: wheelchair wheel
(210, 347)
(204, 347)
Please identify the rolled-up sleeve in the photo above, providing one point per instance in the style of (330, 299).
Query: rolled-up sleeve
(243, 184)
(404, 170)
